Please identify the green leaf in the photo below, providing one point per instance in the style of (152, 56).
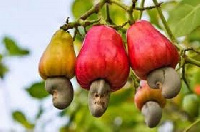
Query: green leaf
(3, 70)
(19, 117)
(12, 48)
(123, 95)
(37, 90)
(169, 5)
(184, 18)
(195, 35)
(154, 18)
(79, 7)
(117, 15)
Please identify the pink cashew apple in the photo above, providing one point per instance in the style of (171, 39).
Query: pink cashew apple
(150, 102)
(153, 57)
(102, 66)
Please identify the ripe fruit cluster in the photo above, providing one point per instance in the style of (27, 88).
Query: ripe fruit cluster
(102, 66)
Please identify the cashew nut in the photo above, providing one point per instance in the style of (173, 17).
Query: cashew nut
(98, 97)
(152, 113)
(167, 79)
(61, 90)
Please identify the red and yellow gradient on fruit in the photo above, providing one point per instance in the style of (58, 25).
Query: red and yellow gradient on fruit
(57, 66)
(59, 57)
(150, 102)
(145, 94)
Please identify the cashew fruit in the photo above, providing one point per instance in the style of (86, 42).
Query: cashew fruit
(145, 94)
(150, 102)
(61, 90)
(102, 57)
(59, 57)
(57, 66)
(152, 113)
(148, 49)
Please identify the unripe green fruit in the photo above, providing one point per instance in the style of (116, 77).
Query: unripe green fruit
(191, 105)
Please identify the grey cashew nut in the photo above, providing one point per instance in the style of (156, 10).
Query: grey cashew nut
(61, 90)
(152, 113)
(167, 79)
(98, 98)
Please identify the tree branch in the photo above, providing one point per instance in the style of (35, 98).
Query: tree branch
(77, 23)
(120, 4)
(169, 32)
(108, 18)
(192, 61)
(94, 9)
(141, 6)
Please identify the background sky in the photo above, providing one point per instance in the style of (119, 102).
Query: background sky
(31, 23)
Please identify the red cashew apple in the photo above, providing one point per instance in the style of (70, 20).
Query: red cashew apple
(153, 57)
(150, 102)
(102, 66)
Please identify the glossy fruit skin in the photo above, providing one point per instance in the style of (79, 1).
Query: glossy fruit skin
(191, 105)
(59, 57)
(145, 94)
(148, 49)
(102, 57)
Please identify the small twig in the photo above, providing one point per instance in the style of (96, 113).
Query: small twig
(169, 32)
(67, 20)
(188, 128)
(77, 23)
(141, 6)
(192, 61)
(184, 78)
(119, 27)
(130, 12)
(94, 9)
(149, 7)
(120, 4)
(108, 18)
(191, 49)
(135, 80)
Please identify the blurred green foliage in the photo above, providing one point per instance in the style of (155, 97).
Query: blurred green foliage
(184, 18)
(12, 48)
(37, 90)
(21, 118)
(9, 48)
